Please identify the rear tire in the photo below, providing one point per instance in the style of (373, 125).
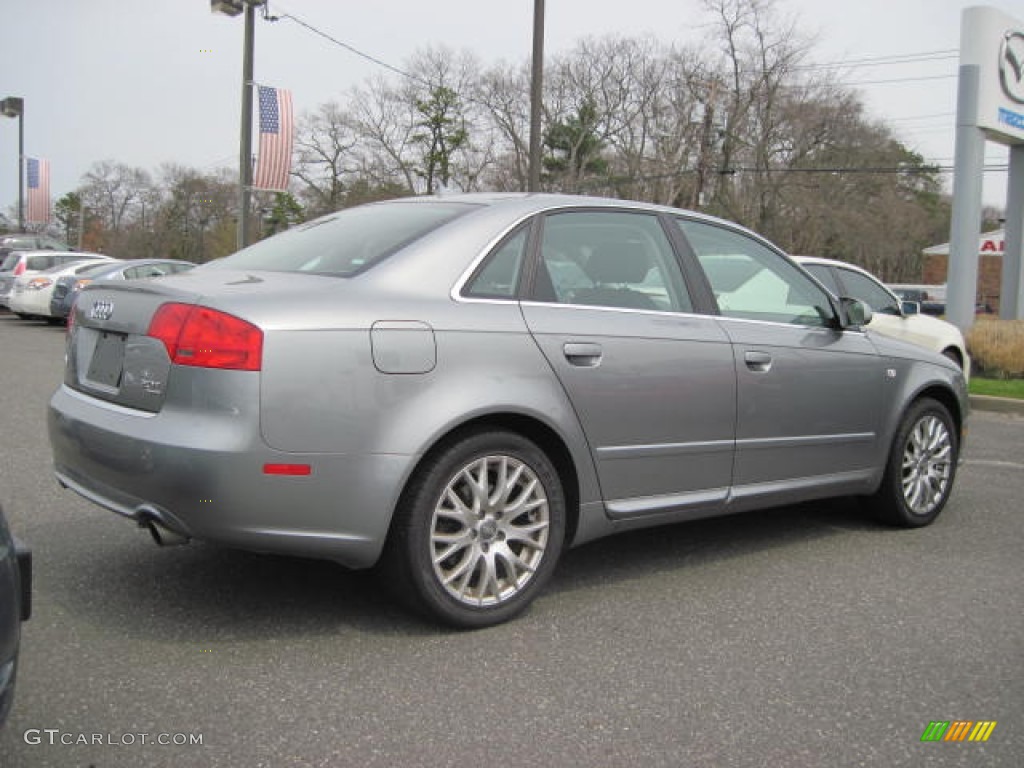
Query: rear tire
(921, 467)
(478, 531)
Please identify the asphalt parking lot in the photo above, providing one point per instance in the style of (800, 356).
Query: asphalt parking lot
(803, 636)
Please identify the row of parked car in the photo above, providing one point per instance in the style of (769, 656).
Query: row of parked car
(43, 284)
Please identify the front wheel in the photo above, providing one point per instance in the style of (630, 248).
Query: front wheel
(479, 530)
(921, 467)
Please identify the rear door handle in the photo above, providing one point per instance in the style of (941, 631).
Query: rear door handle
(582, 354)
(758, 361)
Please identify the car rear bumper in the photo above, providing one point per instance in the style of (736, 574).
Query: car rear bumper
(59, 308)
(209, 483)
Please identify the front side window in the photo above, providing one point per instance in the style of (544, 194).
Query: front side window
(609, 259)
(753, 282)
(825, 277)
(863, 288)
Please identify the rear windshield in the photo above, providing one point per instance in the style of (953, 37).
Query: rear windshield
(9, 261)
(345, 242)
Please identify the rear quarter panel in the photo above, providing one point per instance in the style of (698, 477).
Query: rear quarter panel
(321, 390)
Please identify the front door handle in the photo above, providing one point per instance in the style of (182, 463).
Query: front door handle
(758, 361)
(582, 354)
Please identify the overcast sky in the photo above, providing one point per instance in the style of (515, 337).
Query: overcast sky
(150, 81)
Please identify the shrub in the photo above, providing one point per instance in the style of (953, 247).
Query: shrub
(997, 347)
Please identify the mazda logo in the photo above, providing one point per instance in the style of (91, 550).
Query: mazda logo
(101, 310)
(1011, 66)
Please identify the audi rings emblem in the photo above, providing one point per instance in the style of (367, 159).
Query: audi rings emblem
(101, 310)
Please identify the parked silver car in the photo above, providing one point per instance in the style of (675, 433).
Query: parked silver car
(458, 388)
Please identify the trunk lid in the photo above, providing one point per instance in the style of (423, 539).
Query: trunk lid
(111, 357)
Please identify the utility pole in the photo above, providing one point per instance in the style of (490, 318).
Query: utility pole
(707, 143)
(245, 153)
(536, 94)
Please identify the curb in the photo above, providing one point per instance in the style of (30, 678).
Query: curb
(997, 404)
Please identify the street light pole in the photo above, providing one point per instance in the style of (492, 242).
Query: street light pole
(234, 8)
(536, 89)
(245, 138)
(14, 106)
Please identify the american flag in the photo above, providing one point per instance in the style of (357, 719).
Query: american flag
(276, 134)
(38, 190)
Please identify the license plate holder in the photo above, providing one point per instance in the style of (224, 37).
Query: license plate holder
(107, 361)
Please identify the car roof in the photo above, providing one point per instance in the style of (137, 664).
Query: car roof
(129, 263)
(530, 203)
(71, 265)
(835, 263)
(79, 256)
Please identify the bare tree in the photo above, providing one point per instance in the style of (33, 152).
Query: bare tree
(503, 93)
(111, 192)
(326, 142)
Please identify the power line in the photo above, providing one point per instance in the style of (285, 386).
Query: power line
(914, 171)
(899, 80)
(906, 58)
(922, 117)
(350, 48)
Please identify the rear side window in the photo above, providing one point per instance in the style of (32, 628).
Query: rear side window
(346, 242)
(39, 263)
(498, 277)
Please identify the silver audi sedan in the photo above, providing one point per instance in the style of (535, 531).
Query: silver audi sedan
(455, 389)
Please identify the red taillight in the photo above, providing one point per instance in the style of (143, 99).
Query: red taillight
(207, 338)
(19, 269)
(295, 470)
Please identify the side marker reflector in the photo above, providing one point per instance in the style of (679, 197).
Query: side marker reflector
(287, 469)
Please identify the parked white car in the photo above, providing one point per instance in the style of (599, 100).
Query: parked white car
(31, 293)
(892, 317)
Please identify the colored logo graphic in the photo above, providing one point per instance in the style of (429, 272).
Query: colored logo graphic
(958, 730)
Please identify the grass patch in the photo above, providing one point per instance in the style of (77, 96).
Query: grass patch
(997, 387)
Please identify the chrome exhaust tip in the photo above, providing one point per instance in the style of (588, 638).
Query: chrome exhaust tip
(162, 535)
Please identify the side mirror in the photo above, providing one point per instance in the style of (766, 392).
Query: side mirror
(855, 313)
(911, 307)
